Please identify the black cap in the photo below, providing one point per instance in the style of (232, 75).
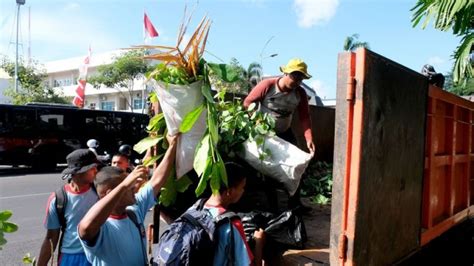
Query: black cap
(80, 161)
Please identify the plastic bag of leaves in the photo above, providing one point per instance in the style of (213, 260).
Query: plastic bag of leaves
(286, 229)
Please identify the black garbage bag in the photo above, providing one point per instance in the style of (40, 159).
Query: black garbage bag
(286, 229)
(252, 221)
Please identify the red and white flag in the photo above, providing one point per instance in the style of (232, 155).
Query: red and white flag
(150, 31)
(79, 99)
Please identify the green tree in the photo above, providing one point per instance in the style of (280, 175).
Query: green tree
(122, 73)
(459, 89)
(352, 42)
(241, 86)
(457, 15)
(32, 85)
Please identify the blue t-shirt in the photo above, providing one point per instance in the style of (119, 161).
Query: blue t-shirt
(242, 254)
(118, 242)
(78, 203)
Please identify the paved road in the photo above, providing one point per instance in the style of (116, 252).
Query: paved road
(26, 193)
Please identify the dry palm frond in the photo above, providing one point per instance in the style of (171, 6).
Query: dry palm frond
(163, 57)
(164, 47)
(187, 59)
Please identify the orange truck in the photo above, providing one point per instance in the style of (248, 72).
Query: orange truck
(403, 167)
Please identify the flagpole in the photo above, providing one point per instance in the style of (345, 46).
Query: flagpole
(143, 84)
(149, 32)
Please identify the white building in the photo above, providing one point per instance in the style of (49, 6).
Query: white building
(63, 74)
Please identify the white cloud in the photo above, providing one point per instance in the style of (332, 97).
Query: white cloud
(322, 90)
(314, 12)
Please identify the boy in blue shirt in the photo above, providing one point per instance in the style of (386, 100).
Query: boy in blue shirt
(79, 198)
(107, 233)
(217, 204)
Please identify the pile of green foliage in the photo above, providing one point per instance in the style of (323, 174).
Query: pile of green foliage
(228, 123)
(317, 182)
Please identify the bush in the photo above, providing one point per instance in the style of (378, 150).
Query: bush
(317, 182)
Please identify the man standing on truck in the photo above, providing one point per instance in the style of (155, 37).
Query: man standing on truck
(281, 97)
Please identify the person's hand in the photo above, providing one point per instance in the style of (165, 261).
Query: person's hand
(311, 147)
(139, 183)
(140, 172)
(259, 236)
(172, 139)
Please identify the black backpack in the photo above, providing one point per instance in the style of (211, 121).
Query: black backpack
(190, 239)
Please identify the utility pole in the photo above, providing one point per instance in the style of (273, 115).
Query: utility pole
(19, 3)
(29, 35)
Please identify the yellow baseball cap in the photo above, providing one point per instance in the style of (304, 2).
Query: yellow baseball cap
(296, 64)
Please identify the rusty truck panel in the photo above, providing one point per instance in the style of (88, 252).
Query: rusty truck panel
(378, 160)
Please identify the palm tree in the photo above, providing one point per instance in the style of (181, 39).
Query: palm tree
(351, 43)
(254, 73)
(457, 15)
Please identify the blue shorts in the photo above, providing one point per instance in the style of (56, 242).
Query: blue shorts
(73, 260)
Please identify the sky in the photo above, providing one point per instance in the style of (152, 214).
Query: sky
(248, 30)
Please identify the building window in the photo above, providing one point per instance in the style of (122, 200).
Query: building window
(63, 82)
(137, 103)
(108, 106)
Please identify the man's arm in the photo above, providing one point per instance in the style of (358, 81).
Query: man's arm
(52, 236)
(259, 236)
(163, 170)
(305, 120)
(258, 93)
(90, 224)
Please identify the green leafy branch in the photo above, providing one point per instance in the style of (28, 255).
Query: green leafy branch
(5, 226)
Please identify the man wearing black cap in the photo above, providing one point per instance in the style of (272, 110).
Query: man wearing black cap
(79, 196)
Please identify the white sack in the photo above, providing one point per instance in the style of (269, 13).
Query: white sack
(286, 162)
(177, 101)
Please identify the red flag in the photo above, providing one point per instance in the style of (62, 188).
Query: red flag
(149, 28)
(81, 82)
(80, 94)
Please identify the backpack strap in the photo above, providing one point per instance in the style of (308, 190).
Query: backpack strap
(227, 217)
(61, 202)
(141, 229)
(200, 204)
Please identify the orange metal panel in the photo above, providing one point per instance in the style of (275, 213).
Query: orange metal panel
(351, 179)
(449, 173)
(442, 227)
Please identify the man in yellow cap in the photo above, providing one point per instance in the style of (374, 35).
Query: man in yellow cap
(281, 97)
